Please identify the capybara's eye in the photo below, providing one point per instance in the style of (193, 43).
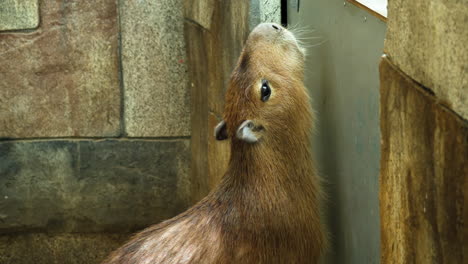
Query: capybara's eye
(265, 91)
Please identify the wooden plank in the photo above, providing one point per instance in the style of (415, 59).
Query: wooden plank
(197, 56)
(213, 47)
(424, 168)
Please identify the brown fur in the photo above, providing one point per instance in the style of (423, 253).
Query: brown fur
(266, 208)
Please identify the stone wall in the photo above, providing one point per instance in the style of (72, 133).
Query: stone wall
(424, 133)
(94, 125)
(97, 130)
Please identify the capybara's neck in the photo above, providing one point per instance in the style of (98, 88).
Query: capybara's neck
(273, 191)
(278, 162)
(272, 170)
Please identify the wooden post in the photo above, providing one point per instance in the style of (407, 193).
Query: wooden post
(215, 32)
(424, 170)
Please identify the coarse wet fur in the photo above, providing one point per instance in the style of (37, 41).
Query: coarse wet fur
(266, 208)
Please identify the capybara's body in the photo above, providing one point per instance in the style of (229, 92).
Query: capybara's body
(267, 207)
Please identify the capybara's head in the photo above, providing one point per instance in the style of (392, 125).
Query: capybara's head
(266, 99)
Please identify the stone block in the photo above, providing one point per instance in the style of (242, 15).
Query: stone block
(424, 166)
(19, 14)
(92, 186)
(262, 11)
(427, 40)
(42, 248)
(62, 80)
(157, 96)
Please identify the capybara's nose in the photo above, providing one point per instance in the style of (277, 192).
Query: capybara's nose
(268, 28)
(274, 26)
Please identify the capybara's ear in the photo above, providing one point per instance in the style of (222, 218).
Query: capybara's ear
(220, 131)
(246, 132)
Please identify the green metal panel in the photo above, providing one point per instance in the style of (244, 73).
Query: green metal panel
(342, 75)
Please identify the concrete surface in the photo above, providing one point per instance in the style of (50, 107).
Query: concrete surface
(155, 78)
(43, 248)
(81, 186)
(73, 93)
(62, 80)
(19, 14)
(262, 11)
(427, 40)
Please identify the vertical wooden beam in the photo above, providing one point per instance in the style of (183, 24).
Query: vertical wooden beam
(424, 171)
(214, 32)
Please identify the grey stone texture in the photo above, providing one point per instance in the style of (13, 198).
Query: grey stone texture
(262, 11)
(73, 200)
(19, 14)
(157, 96)
(91, 186)
(42, 248)
(63, 79)
(427, 40)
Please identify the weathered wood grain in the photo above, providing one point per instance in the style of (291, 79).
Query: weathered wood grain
(424, 168)
(213, 47)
